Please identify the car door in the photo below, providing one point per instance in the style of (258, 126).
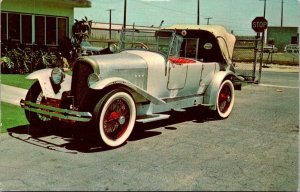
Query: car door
(177, 73)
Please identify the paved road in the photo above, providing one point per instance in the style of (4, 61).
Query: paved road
(256, 149)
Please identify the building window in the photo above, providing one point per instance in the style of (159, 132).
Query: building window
(39, 30)
(14, 27)
(3, 26)
(51, 30)
(62, 29)
(26, 28)
(294, 40)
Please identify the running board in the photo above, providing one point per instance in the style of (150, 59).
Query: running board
(150, 118)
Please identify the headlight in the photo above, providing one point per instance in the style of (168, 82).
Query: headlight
(57, 76)
(92, 79)
(113, 48)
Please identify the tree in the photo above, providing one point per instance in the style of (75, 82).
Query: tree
(71, 48)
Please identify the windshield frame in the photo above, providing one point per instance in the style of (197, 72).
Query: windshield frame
(157, 44)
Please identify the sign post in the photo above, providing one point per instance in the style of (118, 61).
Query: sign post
(259, 25)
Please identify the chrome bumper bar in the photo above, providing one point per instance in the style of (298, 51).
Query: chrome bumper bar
(64, 114)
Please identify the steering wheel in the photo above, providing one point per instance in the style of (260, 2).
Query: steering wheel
(140, 45)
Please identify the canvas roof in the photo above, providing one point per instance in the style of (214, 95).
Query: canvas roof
(226, 40)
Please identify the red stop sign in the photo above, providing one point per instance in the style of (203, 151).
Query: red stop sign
(259, 24)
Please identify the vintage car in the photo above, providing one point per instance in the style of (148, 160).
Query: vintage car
(149, 74)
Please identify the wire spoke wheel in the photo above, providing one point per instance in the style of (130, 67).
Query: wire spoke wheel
(225, 99)
(115, 117)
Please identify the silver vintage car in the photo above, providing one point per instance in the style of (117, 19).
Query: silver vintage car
(149, 73)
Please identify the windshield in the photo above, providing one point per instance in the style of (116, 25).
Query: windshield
(165, 42)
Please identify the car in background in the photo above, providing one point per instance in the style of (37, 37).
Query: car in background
(88, 49)
(291, 48)
(270, 49)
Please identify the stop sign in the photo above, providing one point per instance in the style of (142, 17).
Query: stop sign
(259, 24)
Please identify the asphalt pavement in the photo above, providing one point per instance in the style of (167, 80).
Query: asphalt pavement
(255, 149)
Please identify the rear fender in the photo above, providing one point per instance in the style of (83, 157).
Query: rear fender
(43, 76)
(122, 82)
(211, 92)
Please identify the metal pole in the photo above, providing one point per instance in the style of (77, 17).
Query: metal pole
(125, 10)
(208, 18)
(262, 46)
(255, 57)
(281, 13)
(198, 13)
(110, 10)
(265, 3)
(261, 55)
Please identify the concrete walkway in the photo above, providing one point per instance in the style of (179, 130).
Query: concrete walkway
(12, 95)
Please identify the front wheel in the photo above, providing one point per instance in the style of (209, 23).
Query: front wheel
(225, 99)
(35, 95)
(115, 117)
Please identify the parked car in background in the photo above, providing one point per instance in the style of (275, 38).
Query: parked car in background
(270, 49)
(150, 74)
(291, 48)
(88, 49)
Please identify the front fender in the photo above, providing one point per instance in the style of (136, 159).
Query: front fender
(43, 76)
(211, 92)
(119, 81)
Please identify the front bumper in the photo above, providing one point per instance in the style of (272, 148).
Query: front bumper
(59, 113)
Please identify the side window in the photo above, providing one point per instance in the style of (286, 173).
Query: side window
(189, 48)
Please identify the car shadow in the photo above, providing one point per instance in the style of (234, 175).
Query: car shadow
(68, 138)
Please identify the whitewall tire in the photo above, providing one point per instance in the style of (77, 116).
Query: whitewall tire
(115, 117)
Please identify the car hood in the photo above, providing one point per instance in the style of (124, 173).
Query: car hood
(115, 63)
(226, 40)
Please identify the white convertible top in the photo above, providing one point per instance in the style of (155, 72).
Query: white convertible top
(226, 40)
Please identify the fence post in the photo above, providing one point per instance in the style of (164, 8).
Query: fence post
(261, 57)
(255, 57)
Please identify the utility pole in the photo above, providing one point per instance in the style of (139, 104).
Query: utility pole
(125, 10)
(265, 5)
(281, 13)
(198, 13)
(208, 18)
(110, 10)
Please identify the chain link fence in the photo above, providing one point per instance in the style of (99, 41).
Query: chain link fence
(249, 57)
(245, 57)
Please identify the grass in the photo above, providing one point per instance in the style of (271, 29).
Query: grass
(16, 80)
(19, 80)
(11, 116)
(246, 55)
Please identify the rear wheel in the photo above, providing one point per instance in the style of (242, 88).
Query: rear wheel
(115, 117)
(225, 99)
(35, 95)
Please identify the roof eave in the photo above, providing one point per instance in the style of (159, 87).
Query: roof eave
(77, 3)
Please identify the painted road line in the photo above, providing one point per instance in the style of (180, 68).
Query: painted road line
(278, 86)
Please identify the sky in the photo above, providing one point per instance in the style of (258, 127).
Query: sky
(234, 15)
